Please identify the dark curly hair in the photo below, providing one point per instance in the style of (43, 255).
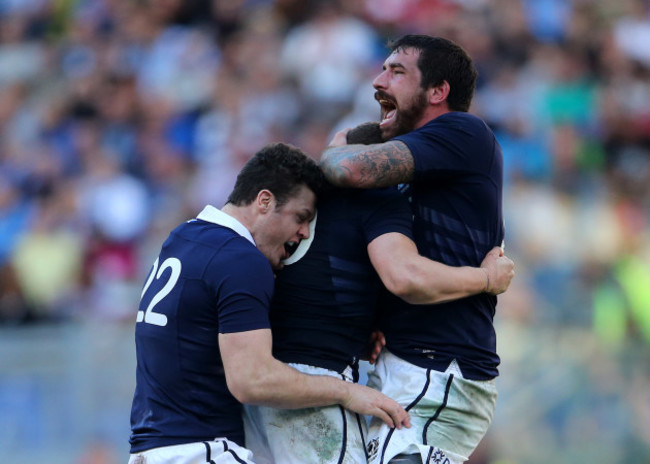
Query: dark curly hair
(280, 168)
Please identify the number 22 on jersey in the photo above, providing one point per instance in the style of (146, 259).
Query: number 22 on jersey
(149, 316)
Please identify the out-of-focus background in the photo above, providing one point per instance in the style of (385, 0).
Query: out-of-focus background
(121, 118)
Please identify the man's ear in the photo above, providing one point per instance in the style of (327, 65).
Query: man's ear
(264, 201)
(439, 93)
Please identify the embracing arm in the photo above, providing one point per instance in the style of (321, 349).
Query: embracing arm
(419, 280)
(254, 376)
(367, 166)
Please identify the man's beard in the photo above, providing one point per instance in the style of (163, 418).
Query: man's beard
(407, 118)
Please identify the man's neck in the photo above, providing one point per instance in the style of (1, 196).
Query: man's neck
(241, 213)
(432, 113)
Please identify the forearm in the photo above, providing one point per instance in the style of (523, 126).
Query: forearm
(431, 282)
(419, 280)
(342, 168)
(368, 166)
(281, 386)
(254, 376)
(284, 387)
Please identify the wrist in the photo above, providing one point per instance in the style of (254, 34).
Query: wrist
(344, 393)
(487, 279)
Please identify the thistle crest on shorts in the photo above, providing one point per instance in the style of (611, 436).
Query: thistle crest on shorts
(372, 448)
(438, 457)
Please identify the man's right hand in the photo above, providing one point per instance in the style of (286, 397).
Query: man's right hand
(500, 271)
(370, 402)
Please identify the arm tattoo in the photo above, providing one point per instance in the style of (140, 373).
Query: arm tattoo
(368, 166)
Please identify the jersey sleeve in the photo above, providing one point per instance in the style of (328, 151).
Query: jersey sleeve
(387, 210)
(244, 294)
(452, 144)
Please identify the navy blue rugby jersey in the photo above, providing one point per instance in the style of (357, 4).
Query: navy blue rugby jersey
(456, 198)
(208, 279)
(325, 303)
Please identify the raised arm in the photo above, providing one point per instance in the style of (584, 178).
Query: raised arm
(419, 280)
(254, 376)
(366, 166)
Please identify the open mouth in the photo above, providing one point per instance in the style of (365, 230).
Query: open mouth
(289, 249)
(388, 111)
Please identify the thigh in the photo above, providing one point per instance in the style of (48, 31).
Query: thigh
(310, 435)
(219, 451)
(297, 436)
(449, 414)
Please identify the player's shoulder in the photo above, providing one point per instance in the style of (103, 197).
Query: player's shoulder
(211, 240)
(239, 251)
(241, 261)
(243, 253)
(458, 125)
(211, 235)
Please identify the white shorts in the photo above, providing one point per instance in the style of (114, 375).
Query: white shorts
(301, 436)
(219, 451)
(449, 414)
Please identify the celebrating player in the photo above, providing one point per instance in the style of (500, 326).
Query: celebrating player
(203, 342)
(441, 361)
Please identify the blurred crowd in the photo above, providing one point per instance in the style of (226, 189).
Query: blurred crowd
(120, 119)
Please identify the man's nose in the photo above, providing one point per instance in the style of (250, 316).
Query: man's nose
(303, 231)
(380, 81)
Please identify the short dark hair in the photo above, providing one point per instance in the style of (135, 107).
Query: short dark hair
(280, 168)
(442, 60)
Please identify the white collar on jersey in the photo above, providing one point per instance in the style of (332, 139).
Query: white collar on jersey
(216, 216)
